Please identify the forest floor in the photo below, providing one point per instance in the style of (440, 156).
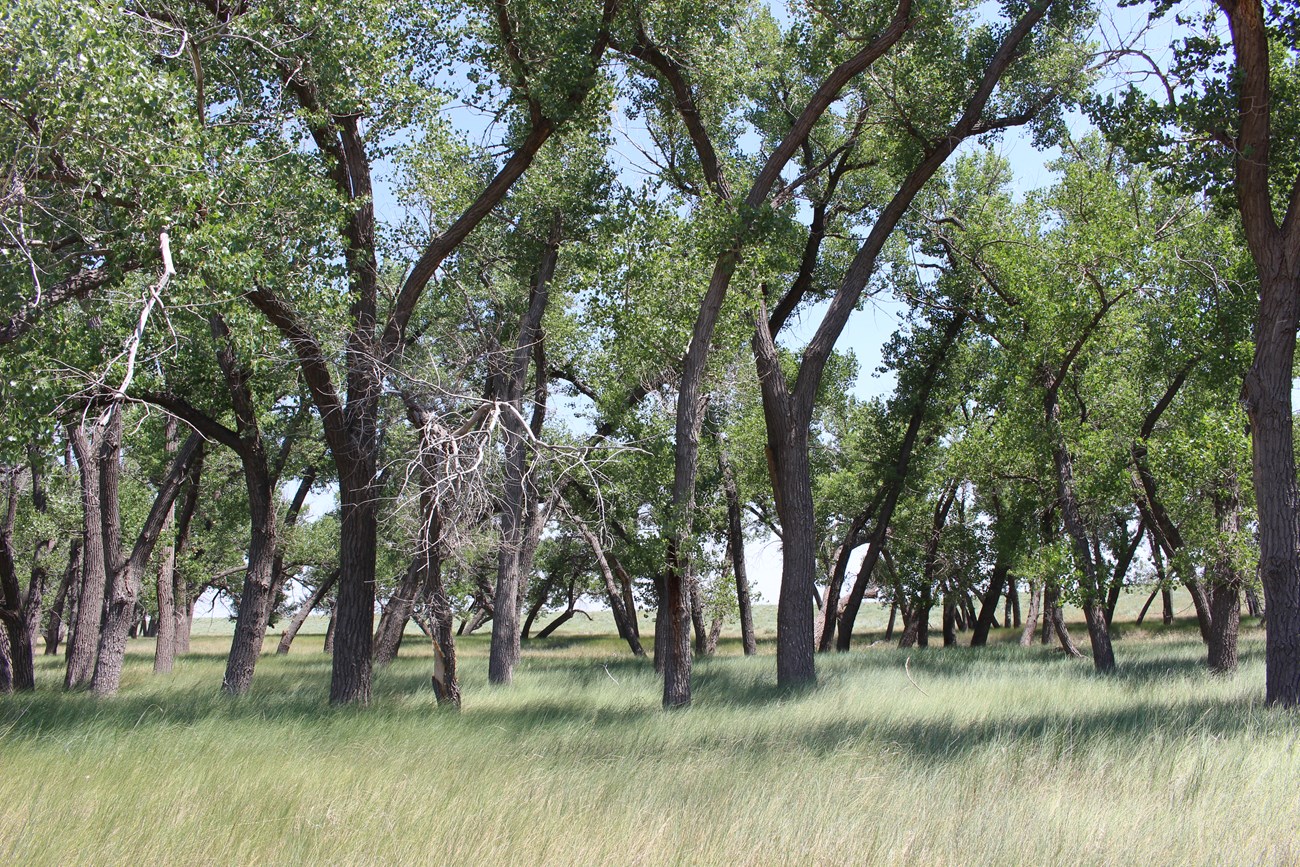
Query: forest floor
(999, 755)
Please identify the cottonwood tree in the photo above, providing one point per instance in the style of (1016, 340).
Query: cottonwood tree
(1223, 120)
(306, 87)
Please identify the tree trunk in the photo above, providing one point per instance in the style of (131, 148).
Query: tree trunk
(354, 611)
(19, 666)
(1227, 580)
(989, 603)
(1266, 391)
(182, 603)
(698, 628)
(1253, 604)
(446, 681)
(1143, 613)
(397, 613)
(126, 573)
(949, 621)
(542, 595)
(1031, 616)
(920, 407)
(256, 600)
(165, 641)
(1123, 559)
(616, 602)
(1094, 607)
(736, 553)
(67, 587)
(795, 657)
(519, 499)
(84, 637)
(301, 615)
(291, 515)
(1055, 618)
(329, 630)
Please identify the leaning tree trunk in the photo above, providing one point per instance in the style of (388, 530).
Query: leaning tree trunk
(989, 602)
(256, 600)
(1094, 604)
(736, 552)
(126, 572)
(388, 637)
(67, 587)
(397, 613)
(1054, 620)
(616, 601)
(301, 615)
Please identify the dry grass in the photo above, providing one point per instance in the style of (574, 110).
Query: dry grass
(1002, 755)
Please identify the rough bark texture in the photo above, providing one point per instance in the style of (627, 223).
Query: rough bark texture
(1031, 616)
(397, 613)
(84, 637)
(518, 508)
(19, 665)
(353, 621)
(127, 571)
(1267, 387)
(256, 600)
(1227, 580)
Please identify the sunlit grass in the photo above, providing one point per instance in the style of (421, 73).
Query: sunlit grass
(1005, 755)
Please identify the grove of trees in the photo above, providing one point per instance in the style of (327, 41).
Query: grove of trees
(556, 300)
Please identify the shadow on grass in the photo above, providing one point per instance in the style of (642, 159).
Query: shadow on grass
(765, 720)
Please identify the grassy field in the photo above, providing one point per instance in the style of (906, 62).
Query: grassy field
(1003, 755)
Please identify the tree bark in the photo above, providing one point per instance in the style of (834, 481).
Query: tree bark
(1094, 603)
(920, 406)
(67, 588)
(182, 602)
(165, 641)
(256, 599)
(1227, 580)
(126, 572)
(20, 671)
(304, 611)
(989, 602)
(518, 508)
(736, 553)
(616, 605)
(1031, 616)
(1123, 559)
(84, 637)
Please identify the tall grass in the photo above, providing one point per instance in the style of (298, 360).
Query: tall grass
(1002, 755)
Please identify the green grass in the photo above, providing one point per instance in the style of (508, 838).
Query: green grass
(1005, 755)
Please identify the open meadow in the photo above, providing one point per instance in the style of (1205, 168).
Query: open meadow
(1001, 755)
